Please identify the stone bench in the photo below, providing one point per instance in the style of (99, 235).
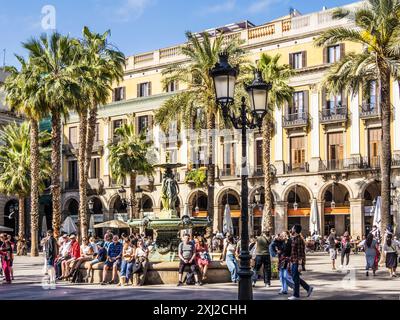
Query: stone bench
(167, 273)
(164, 272)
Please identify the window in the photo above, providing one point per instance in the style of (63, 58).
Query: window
(334, 53)
(259, 155)
(72, 173)
(298, 103)
(372, 99)
(335, 150)
(229, 158)
(143, 123)
(334, 102)
(144, 89)
(94, 168)
(119, 94)
(172, 86)
(117, 124)
(298, 152)
(73, 135)
(96, 133)
(374, 146)
(298, 60)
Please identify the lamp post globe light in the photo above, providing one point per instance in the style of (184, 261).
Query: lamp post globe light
(126, 202)
(224, 76)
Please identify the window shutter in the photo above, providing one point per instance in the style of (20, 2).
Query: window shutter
(323, 98)
(304, 57)
(123, 97)
(150, 122)
(342, 50)
(325, 55)
(113, 95)
(137, 131)
(344, 98)
(176, 85)
(291, 60)
(306, 100)
(138, 90)
(149, 89)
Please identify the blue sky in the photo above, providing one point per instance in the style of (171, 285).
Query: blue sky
(138, 25)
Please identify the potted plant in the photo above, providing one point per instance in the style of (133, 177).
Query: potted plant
(196, 177)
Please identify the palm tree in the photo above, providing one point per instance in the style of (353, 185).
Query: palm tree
(129, 157)
(199, 95)
(101, 66)
(15, 165)
(377, 30)
(24, 96)
(54, 58)
(278, 75)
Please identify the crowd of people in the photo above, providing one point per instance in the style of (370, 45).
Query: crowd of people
(127, 257)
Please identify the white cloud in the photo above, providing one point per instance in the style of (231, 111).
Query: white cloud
(262, 5)
(131, 9)
(228, 5)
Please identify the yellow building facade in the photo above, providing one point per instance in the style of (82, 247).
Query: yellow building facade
(324, 148)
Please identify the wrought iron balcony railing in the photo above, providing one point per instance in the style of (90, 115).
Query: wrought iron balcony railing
(369, 111)
(341, 164)
(298, 167)
(295, 120)
(333, 115)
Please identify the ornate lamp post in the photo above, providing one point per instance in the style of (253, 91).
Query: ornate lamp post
(126, 202)
(224, 77)
(13, 209)
(91, 205)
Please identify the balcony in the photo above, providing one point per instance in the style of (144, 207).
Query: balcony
(228, 172)
(71, 185)
(295, 120)
(297, 168)
(342, 164)
(258, 171)
(337, 114)
(369, 111)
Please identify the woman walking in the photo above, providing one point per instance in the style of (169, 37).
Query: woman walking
(6, 253)
(390, 248)
(229, 253)
(371, 253)
(345, 246)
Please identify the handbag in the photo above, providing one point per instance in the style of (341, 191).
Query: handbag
(137, 267)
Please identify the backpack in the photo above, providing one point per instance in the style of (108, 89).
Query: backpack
(77, 276)
(190, 278)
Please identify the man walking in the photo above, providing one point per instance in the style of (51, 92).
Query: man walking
(297, 256)
(332, 241)
(51, 253)
(263, 258)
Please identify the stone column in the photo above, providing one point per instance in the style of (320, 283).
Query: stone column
(356, 218)
(314, 119)
(339, 224)
(281, 217)
(321, 213)
(217, 219)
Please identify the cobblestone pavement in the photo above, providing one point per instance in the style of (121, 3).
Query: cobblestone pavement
(349, 283)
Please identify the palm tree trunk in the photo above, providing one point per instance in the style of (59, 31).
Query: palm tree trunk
(91, 132)
(82, 175)
(34, 140)
(211, 170)
(266, 149)
(56, 171)
(133, 201)
(386, 156)
(21, 217)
